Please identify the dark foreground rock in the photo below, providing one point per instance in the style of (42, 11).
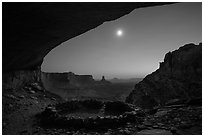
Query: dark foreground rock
(179, 77)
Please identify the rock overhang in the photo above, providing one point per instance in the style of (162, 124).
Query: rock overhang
(31, 30)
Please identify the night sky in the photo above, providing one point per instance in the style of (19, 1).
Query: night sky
(131, 46)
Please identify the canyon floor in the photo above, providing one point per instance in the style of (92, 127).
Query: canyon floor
(20, 108)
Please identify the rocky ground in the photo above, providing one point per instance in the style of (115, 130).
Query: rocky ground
(178, 119)
(21, 108)
(171, 120)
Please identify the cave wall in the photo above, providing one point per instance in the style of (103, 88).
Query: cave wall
(15, 80)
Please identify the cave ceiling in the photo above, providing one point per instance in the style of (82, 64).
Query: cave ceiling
(31, 30)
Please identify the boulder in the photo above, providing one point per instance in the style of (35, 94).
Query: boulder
(36, 86)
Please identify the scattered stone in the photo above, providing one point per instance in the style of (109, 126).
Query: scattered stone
(27, 88)
(22, 96)
(53, 98)
(32, 91)
(69, 133)
(124, 132)
(11, 96)
(177, 119)
(155, 126)
(174, 102)
(35, 98)
(141, 127)
(37, 86)
(127, 132)
(147, 123)
(160, 124)
(128, 125)
(161, 113)
(154, 132)
(108, 132)
(163, 127)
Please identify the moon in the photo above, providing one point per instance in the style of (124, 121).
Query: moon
(119, 33)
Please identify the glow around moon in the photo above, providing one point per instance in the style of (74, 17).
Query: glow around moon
(119, 33)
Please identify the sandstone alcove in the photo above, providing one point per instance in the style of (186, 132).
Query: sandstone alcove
(32, 30)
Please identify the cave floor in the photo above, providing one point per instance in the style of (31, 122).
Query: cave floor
(20, 108)
(169, 121)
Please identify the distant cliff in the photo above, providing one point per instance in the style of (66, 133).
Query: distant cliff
(65, 80)
(178, 77)
(71, 86)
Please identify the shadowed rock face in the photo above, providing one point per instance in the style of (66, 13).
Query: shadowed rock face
(179, 76)
(31, 30)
